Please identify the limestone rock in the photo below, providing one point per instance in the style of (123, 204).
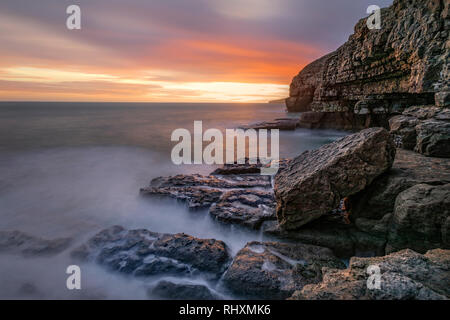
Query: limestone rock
(419, 218)
(402, 64)
(405, 275)
(315, 182)
(409, 169)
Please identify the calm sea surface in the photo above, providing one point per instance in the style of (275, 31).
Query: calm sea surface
(72, 169)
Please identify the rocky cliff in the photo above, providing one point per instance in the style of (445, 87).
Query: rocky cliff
(404, 63)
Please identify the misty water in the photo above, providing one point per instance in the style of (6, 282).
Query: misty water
(73, 169)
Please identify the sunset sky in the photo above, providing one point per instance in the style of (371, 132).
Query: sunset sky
(167, 50)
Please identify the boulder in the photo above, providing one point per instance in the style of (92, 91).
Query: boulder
(403, 130)
(433, 138)
(409, 169)
(404, 275)
(315, 182)
(249, 208)
(420, 219)
(273, 270)
(18, 242)
(142, 252)
(181, 291)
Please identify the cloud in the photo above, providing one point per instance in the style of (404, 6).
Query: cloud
(170, 44)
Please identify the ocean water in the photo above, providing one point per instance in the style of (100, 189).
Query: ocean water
(73, 169)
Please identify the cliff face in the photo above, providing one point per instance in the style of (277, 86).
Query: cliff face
(404, 63)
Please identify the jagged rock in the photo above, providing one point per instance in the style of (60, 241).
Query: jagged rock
(419, 220)
(245, 207)
(144, 252)
(181, 291)
(202, 191)
(274, 270)
(404, 275)
(402, 64)
(281, 124)
(409, 169)
(18, 242)
(315, 182)
(433, 138)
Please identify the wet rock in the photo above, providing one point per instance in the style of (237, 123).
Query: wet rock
(202, 191)
(405, 275)
(18, 242)
(315, 182)
(273, 270)
(144, 252)
(181, 291)
(419, 219)
(244, 207)
(281, 124)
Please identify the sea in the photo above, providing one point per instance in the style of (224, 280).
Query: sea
(73, 169)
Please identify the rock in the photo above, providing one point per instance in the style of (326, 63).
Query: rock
(344, 240)
(419, 220)
(238, 169)
(315, 182)
(181, 291)
(422, 112)
(403, 64)
(403, 130)
(340, 121)
(409, 169)
(433, 138)
(442, 99)
(405, 275)
(144, 252)
(426, 129)
(202, 191)
(273, 270)
(196, 180)
(245, 207)
(18, 242)
(280, 124)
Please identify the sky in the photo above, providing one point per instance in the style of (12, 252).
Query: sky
(167, 50)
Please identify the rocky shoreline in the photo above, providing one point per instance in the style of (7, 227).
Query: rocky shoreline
(378, 197)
